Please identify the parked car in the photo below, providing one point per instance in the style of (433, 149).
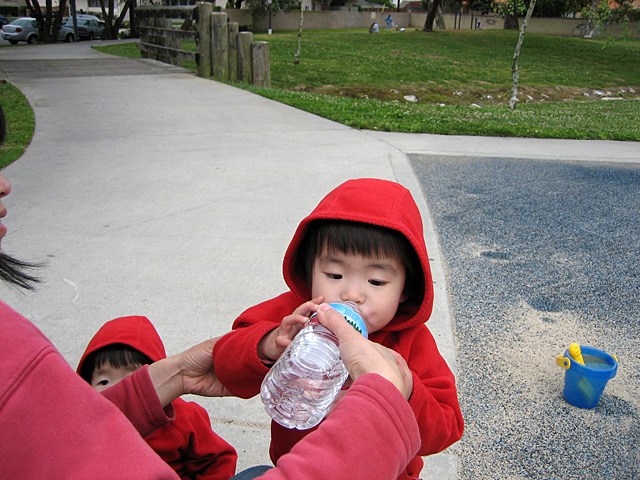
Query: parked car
(3, 20)
(89, 27)
(24, 29)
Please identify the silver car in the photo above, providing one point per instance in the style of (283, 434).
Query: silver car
(23, 29)
(89, 27)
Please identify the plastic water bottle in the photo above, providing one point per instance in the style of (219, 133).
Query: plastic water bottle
(302, 385)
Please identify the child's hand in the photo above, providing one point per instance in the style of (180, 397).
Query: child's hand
(293, 323)
(273, 343)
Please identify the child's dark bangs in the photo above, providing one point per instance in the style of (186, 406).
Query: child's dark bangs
(361, 239)
(118, 355)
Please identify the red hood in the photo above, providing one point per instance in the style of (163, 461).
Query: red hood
(377, 202)
(136, 332)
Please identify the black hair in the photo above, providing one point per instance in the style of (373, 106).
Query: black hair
(15, 272)
(117, 355)
(362, 239)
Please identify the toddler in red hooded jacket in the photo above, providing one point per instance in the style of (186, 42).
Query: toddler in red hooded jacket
(364, 243)
(188, 444)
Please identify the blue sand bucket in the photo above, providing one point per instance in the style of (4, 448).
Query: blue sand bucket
(583, 384)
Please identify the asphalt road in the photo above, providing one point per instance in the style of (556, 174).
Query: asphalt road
(540, 254)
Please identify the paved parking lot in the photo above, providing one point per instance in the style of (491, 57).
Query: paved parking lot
(540, 254)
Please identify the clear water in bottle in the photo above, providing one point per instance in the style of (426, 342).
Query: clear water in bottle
(302, 385)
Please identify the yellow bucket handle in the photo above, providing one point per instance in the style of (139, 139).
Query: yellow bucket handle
(563, 361)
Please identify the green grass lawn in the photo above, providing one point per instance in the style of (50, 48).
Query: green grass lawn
(461, 81)
(20, 123)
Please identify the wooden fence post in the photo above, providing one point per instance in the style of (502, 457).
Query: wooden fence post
(261, 64)
(219, 46)
(144, 36)
(233, 51)
(204, 10)
(165, 41)
(245, 59)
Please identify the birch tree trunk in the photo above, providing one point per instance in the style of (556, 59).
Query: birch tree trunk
(296, 59)
(591, 24)
(516, 54)
(440, 20)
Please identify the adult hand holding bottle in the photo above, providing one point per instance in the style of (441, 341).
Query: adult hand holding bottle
(361, 356)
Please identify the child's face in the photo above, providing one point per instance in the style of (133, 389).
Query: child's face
(106, 376)
(374, 284)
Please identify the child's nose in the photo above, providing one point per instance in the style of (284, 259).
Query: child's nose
(352, 294)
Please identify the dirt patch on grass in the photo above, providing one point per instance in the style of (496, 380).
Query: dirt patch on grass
(480, 94)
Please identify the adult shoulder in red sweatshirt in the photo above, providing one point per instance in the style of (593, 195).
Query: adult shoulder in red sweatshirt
(188, 444)
(434, 398)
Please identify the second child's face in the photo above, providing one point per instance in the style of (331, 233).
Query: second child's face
(374, 284)
(107, 376)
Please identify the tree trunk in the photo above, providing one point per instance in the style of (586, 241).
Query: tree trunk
(57, 19)
(296, 59)
(431, 16)
(111, 25)
(591, 24)
(514, 66)
(511, 21)
(440, 20)
(46, 32)
(36, 12)
(133, 21)
(49, 24)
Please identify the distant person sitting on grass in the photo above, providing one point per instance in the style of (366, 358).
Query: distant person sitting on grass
(374, 28)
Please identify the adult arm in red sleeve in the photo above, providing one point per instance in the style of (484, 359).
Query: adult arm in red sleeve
(136, 397)
(372, 434)
(54, 424)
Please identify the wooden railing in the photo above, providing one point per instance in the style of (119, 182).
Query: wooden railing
(222, 52)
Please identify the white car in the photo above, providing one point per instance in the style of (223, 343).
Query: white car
(24, 29)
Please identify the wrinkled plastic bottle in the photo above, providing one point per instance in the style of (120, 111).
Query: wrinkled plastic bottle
(302, 385)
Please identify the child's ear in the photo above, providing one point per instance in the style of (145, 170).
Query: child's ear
(404, 297)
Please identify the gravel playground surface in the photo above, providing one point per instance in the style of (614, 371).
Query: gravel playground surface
(540, 254)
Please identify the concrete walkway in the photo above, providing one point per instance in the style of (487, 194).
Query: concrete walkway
(151, 191)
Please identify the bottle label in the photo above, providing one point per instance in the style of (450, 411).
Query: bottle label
(352, 317)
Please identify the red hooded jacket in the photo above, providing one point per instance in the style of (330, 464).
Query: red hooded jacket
(434, 398)
(187, 444)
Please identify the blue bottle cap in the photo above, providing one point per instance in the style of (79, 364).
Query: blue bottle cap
(351, 314)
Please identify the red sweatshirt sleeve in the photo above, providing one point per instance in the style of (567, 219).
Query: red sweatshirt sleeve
(136, 397)
(235, 355)
(434, 399)
(371, 435)
(53, 424)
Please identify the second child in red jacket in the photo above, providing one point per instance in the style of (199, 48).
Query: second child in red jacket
(364, 243)
(188, 444)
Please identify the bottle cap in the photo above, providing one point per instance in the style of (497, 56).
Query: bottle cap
(351, 314)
